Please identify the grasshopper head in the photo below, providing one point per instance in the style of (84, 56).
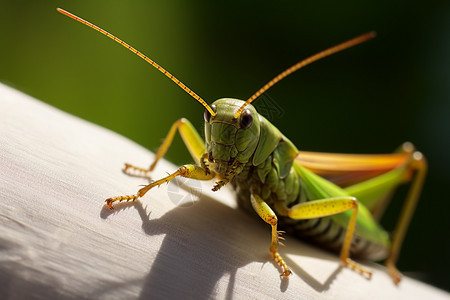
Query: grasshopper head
(230, 141)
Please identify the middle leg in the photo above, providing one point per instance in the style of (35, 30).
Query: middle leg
(269, 216)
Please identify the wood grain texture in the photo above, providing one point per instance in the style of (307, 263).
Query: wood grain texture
(57, 239)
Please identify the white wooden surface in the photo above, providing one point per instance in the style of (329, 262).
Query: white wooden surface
(57, 239)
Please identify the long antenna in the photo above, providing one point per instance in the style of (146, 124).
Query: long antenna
(161, 69)
(350, 43)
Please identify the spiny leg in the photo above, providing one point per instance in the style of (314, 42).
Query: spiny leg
(327, 207)
(204, 163)
(219, 184)
(420, 165)
(267, 214)
(188, 171)
(413, 169)
(190, 137)
(134, 171)
(228, 176)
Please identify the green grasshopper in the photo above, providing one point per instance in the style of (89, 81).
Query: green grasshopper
(334, 200)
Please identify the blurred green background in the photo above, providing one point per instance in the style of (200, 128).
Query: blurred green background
(368, 99)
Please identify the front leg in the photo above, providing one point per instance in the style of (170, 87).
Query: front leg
(188, 171)
(191, 139)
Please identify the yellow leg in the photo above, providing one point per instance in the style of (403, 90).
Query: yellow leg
(267, 214)
(188, 171)
(327, 207)
(191, 139)
(420, 165)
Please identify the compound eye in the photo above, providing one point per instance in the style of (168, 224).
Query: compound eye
(207, 115)
(246, 119)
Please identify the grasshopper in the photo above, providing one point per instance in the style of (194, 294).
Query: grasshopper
(334, 200)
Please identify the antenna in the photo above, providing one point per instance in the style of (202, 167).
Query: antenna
(345, 45)
(161, 69)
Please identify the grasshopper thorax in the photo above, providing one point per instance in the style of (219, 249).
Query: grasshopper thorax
(230, 142)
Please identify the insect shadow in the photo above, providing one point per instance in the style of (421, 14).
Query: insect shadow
(194, 259)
